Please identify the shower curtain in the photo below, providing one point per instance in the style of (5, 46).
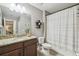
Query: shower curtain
(61, 33)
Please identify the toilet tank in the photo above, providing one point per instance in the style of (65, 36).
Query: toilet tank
(41, 40)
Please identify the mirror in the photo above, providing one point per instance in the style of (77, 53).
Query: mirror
(14, 23)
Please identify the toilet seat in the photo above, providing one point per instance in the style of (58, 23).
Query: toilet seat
(46, 45)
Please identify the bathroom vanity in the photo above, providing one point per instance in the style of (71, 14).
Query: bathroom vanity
(22, 46)
(12, 25)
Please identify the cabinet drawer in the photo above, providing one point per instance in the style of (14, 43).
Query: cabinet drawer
(17, 52)
(30, 42)
(10, 47)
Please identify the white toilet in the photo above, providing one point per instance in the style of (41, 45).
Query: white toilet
(45, 46)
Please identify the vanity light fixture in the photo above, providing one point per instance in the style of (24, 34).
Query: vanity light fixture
(18, 8)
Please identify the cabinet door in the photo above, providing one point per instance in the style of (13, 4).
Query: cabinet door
(18, 52)
(30, 50)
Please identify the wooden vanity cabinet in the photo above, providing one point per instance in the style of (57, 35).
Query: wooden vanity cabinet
(25, 48)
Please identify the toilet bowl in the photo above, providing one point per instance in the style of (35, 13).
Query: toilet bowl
(45, 46)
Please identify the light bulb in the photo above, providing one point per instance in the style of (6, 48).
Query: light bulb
(18, 8)
(23, 9)
(12, 7)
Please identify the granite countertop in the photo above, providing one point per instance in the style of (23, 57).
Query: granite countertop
(14, 40)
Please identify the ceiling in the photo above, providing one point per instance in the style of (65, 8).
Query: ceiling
(52, 7)
(49, 7)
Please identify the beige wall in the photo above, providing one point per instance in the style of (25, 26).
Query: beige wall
(36, 14)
